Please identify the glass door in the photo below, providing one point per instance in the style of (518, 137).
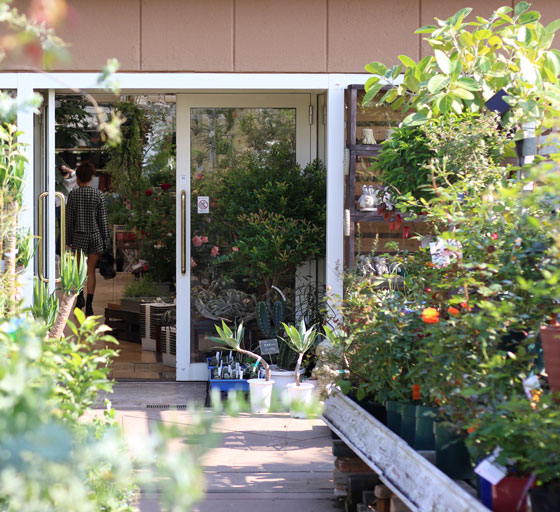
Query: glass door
(222, 142)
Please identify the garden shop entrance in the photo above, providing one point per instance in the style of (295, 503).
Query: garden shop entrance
(172, 233)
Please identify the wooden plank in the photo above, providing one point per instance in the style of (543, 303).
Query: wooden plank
(418, 483)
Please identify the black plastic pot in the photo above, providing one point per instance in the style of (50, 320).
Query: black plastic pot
(377, 410)
(424, 432)
(394, 419)
(545, 498)
(452, 455)
(408, 423)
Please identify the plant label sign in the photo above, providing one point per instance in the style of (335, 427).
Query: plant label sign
(269, 347)
(203, 204)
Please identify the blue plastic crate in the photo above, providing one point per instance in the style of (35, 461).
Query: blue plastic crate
(226, 384)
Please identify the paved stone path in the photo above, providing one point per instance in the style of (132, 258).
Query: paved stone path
(264, 462)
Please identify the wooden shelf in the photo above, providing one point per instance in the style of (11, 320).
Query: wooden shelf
(417, 482)
(78, 150)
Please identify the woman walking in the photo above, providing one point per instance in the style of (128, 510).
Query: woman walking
(87, 229)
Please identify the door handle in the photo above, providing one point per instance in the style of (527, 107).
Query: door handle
(62, 228)
(41, 237)
(183, 232)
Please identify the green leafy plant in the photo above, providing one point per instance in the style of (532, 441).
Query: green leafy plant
(473, 60)
(235, 342)
(143, 287)
(300, 340)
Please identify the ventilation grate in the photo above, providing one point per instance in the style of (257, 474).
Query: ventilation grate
(165, 406)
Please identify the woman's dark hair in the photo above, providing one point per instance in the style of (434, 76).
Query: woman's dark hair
(85, 172)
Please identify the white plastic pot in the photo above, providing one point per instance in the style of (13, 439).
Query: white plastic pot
(300, 397)
(282, 378)
(260, 393)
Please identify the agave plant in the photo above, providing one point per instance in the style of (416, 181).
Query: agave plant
(226, 336)
(300, 340)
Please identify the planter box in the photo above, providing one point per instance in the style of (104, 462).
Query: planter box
(418, 483)
(226, 384)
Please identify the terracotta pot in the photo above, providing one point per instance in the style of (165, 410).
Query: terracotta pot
(550, 337)
(510, 495)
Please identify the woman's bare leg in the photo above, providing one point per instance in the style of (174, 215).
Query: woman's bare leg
(91, 264)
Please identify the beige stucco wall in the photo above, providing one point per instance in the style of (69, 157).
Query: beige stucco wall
(319, 36)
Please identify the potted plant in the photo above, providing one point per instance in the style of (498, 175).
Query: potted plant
(300, 340)
(260, 390)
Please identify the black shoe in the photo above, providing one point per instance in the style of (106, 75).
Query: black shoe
(81, 302)
(89, 310)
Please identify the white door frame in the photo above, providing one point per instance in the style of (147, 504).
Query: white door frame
(185, 369)
(255, 83)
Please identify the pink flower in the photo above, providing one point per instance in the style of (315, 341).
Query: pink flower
(494, 236)
(197, 241)
(235, 249)
(193, 263)
(199, 176)
(204, 239)
(215, 250)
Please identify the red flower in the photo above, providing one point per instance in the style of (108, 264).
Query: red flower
(165, 186)
(199, 176)
(494, 236)
(453, 311)
(156, 198)
(398, 221)
(392, 226)
(405, 231)
(148, 192)
(465, 305)
(196, 241)
(430, 315)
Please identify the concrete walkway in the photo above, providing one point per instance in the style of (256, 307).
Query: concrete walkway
(265, 462)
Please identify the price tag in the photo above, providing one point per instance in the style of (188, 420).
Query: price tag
(490, 470)
(269, 346)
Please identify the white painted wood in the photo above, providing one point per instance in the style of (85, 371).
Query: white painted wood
(187, 82)
(183, 281)
(185, 369)
(51, 188)
(335, 183)
(25, 125)
(420, 485)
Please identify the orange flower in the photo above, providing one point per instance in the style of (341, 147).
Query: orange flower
(452, 311)
(430, 315)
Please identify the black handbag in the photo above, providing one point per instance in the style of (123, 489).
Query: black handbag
(106, 265)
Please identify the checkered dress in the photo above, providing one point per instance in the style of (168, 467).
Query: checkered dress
(87, 228)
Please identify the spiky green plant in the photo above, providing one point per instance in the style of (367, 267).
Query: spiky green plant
(234, 342)
(300, 340)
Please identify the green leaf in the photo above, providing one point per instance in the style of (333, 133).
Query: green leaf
(463, 94)
(479, 35)
(416, 119)
(529, 17)
(521, 7)
(437, 83)
(444, 104)
(552, 27)
(457, 18)
(371, 93)
(344, 386)
(395, 71)
(411, 82)
(389, 96)
(466, 39)
(552, 61)
(442, 61)
(470, 84)
(407, 61)
(377, 68)
(457, 106)
(426, 29)
(372, 80)
(395, 105)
